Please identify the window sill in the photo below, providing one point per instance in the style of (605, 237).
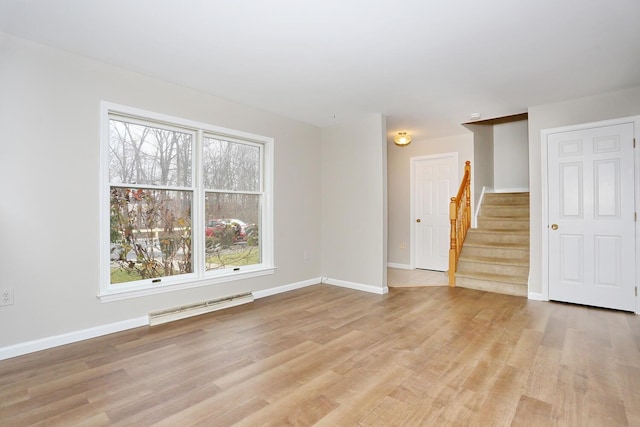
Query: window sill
(123, 294)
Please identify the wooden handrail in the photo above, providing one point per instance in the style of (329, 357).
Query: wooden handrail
(460, 218)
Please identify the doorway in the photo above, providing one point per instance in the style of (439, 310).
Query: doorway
(433, 182)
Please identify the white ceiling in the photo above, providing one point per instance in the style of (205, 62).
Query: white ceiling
(425, 64)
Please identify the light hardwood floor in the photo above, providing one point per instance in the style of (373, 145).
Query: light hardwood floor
(401, 278)
(328, 356)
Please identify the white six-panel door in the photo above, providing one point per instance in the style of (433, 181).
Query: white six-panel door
(434, 183)
(591, 232)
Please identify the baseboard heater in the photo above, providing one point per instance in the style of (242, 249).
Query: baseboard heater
(176, 313)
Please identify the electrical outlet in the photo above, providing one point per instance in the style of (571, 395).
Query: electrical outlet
(6, 297)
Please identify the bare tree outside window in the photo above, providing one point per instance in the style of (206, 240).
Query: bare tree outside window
(139, 154)
(230, 166)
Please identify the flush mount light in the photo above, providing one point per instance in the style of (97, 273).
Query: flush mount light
(402, 139)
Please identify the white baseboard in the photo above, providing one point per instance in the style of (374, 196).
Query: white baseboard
(285, 288)
(396, 265)
(356, 286)
(70, 337)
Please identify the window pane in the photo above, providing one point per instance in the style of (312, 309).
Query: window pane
(148, 155)
(150, 233)
(232, 233)
(230, 166)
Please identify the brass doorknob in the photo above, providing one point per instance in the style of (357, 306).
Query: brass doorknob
(554, 226)
(418, 220)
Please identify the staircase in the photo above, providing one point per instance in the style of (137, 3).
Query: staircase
(495, 255)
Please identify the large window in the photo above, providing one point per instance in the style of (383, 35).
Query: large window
(183, 204)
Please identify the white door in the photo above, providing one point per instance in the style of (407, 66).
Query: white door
(434, 183)
(591, 216)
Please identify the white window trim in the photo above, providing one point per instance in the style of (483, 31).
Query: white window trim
(107, 292)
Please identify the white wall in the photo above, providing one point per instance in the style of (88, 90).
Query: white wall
(511, 156)
(49, 250)
(354, 223)
(583, 110)
(482, 168)
(399, 184)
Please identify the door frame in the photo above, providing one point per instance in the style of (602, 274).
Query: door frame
(412, 203)
(544, 134)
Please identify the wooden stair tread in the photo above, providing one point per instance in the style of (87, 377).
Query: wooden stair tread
(502, 278)
(524, 195)
(519, 202)
(506, 203)
(502, 218)
(497, 261)
(512, 202)
(524, 232)
(497, 245)
(510, 193)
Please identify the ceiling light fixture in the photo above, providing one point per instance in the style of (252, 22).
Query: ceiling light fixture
(402, 139)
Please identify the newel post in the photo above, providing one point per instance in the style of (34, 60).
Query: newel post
(452, 247)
